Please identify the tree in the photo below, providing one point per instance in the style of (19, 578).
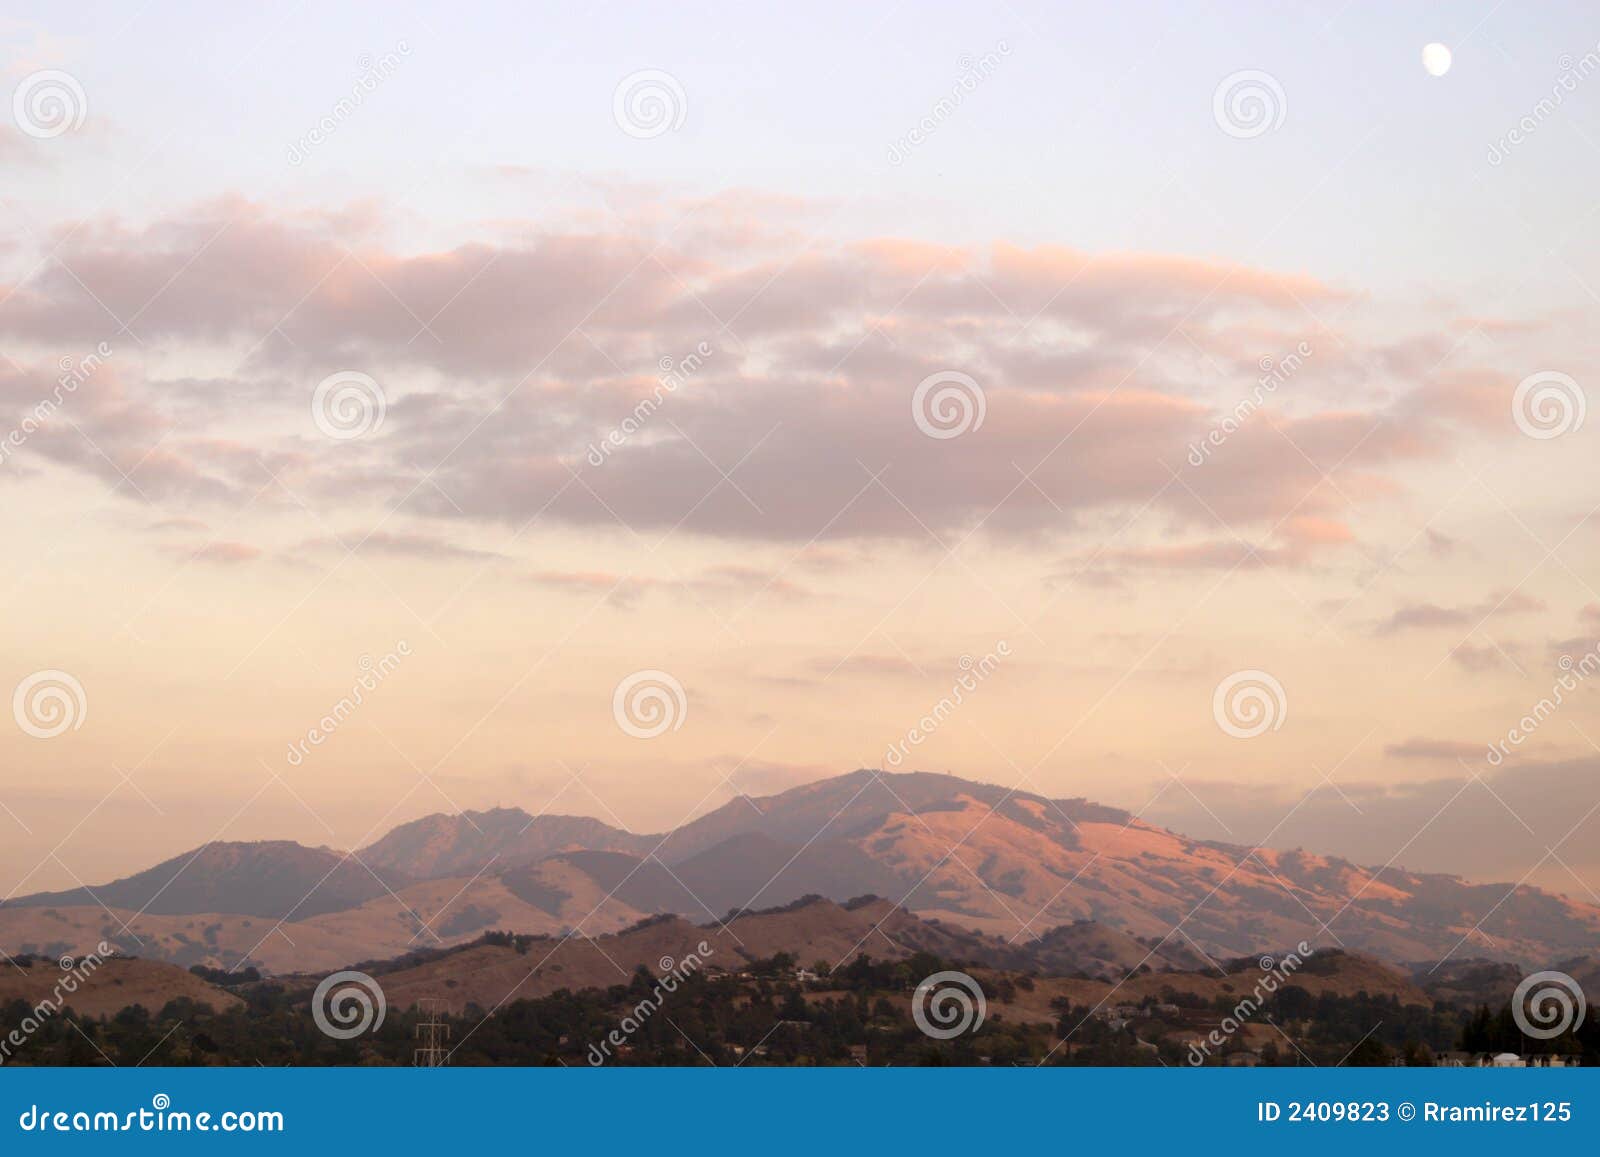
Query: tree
(1368, 1053)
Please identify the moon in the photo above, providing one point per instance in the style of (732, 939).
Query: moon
(1436, 59)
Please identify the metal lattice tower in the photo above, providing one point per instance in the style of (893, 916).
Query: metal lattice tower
(432, 1031)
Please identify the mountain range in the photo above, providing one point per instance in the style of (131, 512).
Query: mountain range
(1013, 866)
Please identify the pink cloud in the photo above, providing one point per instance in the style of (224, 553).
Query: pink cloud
(221, 551)
(502, 361)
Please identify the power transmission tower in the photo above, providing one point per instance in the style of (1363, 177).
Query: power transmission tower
(432, 1031)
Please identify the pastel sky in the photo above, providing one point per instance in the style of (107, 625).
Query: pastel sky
(1251, 378)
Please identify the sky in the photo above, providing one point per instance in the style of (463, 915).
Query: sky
(409, 409)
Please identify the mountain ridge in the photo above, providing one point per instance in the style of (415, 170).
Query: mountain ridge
(997, 861)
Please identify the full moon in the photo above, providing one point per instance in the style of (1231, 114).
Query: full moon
(1436, 59)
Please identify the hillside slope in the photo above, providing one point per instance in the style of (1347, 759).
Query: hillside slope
(981, 857)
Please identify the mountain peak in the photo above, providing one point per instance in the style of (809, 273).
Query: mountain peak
(270, 878)
(470, 842)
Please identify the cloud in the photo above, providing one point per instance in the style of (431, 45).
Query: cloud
(1477, 659)
(765, 777)
(1426, 616)
(220, 551)
(1293, 543)
(17, 150)
(504, 359)
(751, 580)
(403, 544)
(1441, 545)
(1496, 827)
(1574, 647)
(111, 423)
(1447, 749)
(883, 665)
(161, 525)
(723, 581)
(1478, 399)
(619, 590)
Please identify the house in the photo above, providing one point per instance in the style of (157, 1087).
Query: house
(1552, 1061)
(805, 974)
(1454, 1059)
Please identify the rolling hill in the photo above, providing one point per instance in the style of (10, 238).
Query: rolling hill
(117, 983)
